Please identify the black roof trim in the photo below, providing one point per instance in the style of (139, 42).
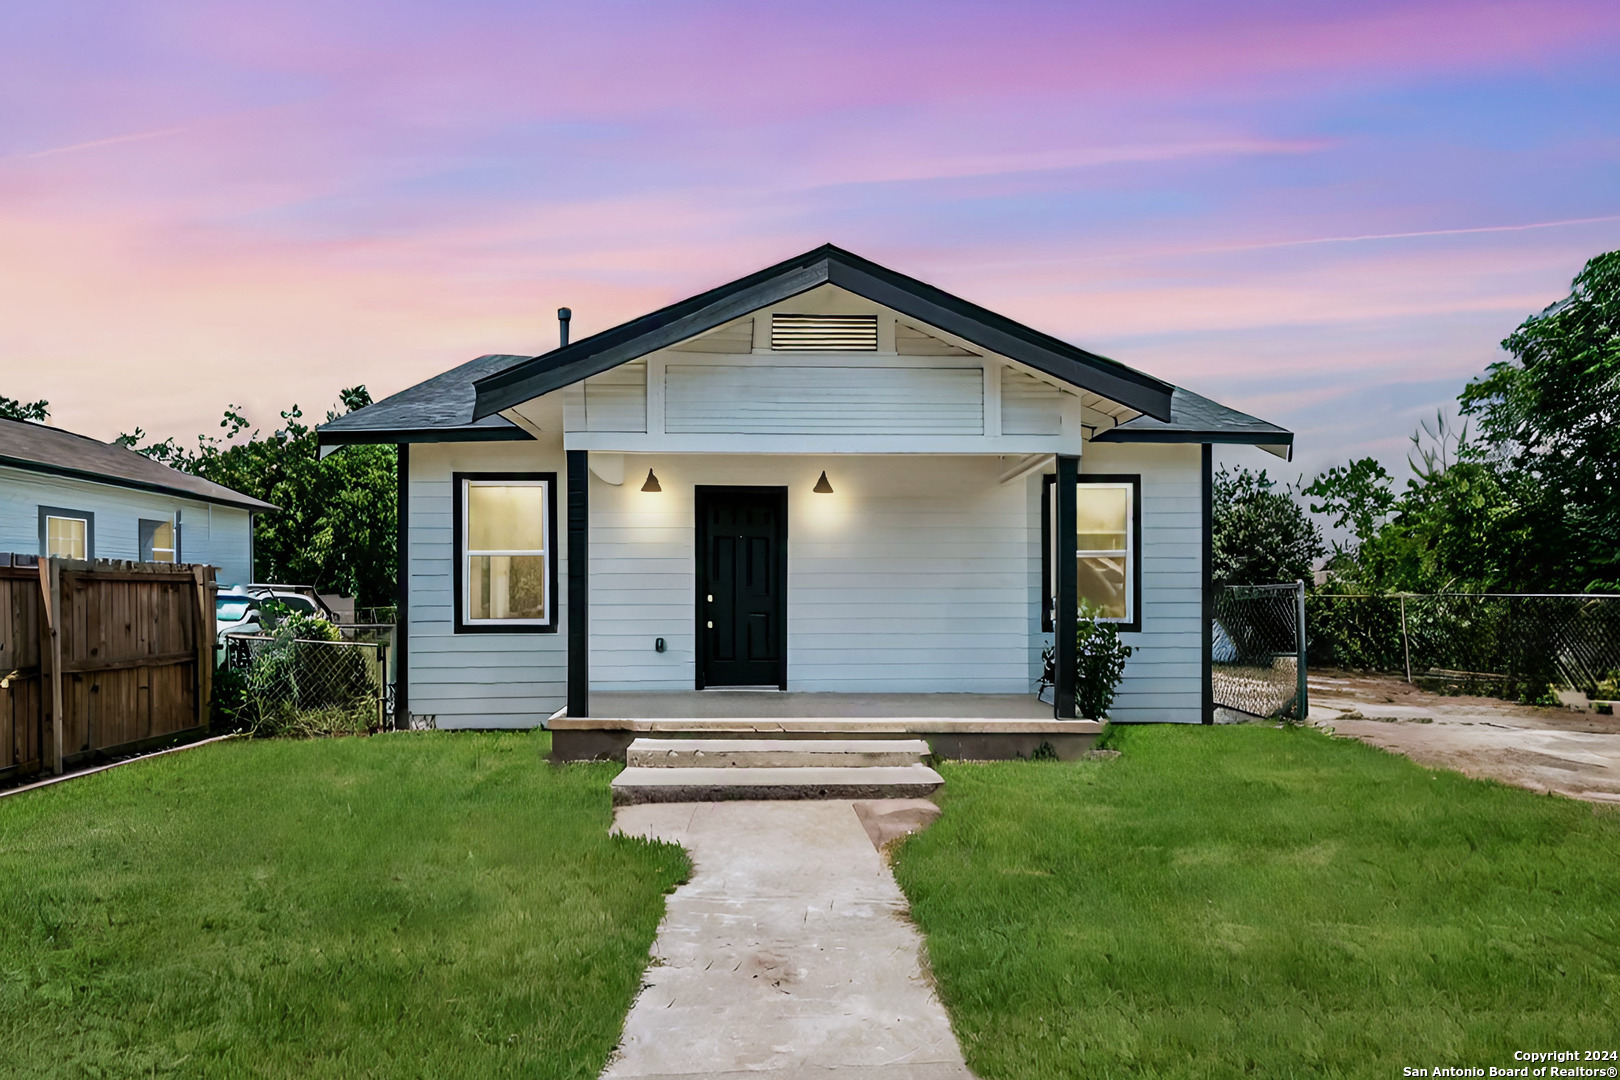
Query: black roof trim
(826, 264)
(460, 433)
(1197, 419)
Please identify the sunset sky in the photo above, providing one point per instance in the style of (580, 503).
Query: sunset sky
(1327, 214)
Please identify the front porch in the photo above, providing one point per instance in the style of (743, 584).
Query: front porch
(963, 726)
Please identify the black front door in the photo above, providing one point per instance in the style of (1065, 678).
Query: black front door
(742, 586)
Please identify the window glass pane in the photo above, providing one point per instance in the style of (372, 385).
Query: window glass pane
(506, 518)
(64, 537)
(506, 587)
(163, 542)
(1102, 582)
(1101, 514)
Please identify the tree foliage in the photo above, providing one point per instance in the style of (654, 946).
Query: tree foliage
(334, 526)
(1262, 535)
(16, 409)
(1529, 501)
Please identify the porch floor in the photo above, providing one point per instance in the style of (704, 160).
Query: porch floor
(777, 705)
(955, 725)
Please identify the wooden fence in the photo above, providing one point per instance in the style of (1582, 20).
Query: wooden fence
(121, 652)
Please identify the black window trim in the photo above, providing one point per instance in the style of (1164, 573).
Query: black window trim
(143, 536)
(458, 512)
(86, 516)
(1048, 481)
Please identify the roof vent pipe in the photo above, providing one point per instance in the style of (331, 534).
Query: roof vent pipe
(563, 315)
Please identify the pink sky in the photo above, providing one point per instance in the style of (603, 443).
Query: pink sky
(1328, 214)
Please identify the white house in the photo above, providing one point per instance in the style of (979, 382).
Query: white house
(825, 477)
(70, 495)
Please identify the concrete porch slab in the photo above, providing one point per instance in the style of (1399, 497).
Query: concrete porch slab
(776, 704)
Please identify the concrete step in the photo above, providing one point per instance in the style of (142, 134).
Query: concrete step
(639, 784)
(774, 753)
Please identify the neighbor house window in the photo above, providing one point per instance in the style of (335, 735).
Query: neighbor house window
(1107, 548)
(157, 542)
(506, 563)
(67, 534)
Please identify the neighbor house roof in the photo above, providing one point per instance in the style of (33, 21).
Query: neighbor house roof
(822, 266)
(438, 410)
(42, 449)
(1196, 419)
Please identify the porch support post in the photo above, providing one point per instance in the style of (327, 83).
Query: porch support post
(579, 638)
(1206, 554)
(1065, 619)
(402, 587)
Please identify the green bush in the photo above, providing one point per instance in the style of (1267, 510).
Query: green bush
(303, 683)
(1099, 663)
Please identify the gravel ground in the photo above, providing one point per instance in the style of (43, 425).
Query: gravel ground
(1572, 753)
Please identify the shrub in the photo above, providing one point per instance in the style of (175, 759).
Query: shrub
(1099, 663)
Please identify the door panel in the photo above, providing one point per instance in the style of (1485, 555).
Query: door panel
(742, 586)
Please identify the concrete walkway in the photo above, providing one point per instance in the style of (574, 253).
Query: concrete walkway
(787, 956)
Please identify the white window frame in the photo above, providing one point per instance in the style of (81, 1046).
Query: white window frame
(47, 514)
(466, 553)
(1128, 553)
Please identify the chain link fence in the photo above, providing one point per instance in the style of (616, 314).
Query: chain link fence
(1510, 645)
(297, 686)
(1258, 650)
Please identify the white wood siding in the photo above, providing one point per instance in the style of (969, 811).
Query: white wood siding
(616, 400)
(1029, 406)
(477, 680)
(1164, 679)
(746, 399)
(215, 535)
(912, 576)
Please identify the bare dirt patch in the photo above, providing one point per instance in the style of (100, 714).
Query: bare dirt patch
(1562, 750)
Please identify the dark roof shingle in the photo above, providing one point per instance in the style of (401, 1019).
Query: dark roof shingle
(38, 448)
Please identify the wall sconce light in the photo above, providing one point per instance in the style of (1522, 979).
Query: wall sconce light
(822, 487)
(652, 483)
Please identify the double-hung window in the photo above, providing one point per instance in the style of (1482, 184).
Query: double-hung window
(1107, 548)
(157, 541)
(506, 558)
(67, 534)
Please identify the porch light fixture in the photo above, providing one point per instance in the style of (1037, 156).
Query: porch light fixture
(652, 483)
(822, 487)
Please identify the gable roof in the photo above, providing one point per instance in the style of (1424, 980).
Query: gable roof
(438, 410)
(1196, 419)
(824, 265)
(42, 449)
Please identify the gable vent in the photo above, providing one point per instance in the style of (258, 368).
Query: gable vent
(824, 333)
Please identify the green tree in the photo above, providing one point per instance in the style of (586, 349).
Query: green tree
(1530, 501)
(1550, 420)
(334, 526)
(16, 409)
(1261, 535)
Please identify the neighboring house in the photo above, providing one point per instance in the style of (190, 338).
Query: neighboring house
(824, 476)
(69, 495)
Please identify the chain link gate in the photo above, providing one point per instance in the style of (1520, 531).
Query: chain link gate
(304, 676)
(1258, 650)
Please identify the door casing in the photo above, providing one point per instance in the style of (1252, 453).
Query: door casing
(777, 499)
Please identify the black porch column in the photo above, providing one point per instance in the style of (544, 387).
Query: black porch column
(1065, 616)
(579, 638)
(402, 587)
(1207, 554)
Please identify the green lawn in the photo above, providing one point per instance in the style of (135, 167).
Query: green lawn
(1247, 901)
(413, 905)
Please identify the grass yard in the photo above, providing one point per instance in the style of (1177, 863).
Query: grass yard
(1247, 901)
(422, 905)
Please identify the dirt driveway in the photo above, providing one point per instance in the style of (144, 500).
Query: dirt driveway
(1572, 753)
